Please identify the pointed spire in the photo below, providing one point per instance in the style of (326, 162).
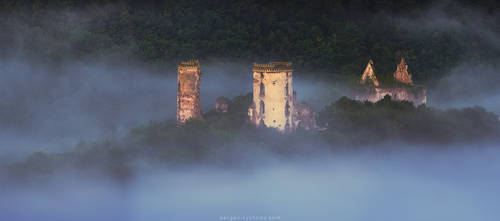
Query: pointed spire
(401, 74)
(369, 75)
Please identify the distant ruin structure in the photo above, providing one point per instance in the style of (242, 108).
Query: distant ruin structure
(188, 91)
(221, 104)
(306, 117)
(401, 74)
(368, 76)
(404, 88)
(273, 100)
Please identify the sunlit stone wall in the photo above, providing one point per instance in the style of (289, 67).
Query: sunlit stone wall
(401, 74)
(188, 91)
(273, 96)
(416, 95)
(406, 91)
(368, 76)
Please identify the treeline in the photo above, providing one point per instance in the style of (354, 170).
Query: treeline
(387, 120)
(228, 140)
(338, 36)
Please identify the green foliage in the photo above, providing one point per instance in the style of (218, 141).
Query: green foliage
(335, 36)
(236, 116)
(226, 139)
(389, 120)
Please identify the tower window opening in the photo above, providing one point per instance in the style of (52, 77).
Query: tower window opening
(262, 107)
(287, 109)
(286, 89)
(262, 89)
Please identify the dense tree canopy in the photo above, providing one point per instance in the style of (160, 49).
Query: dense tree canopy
(337, 36)
(223, 139)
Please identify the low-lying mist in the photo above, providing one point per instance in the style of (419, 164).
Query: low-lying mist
(468, 85)
(51, 108)
(409, 184)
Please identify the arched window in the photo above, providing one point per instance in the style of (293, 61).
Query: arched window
(286, 89)
(262, 107)
(262, 89)
(287, 109)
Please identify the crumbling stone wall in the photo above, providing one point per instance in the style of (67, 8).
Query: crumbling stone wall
(273, 96)
(417, 94)
(307, 117)
(401, 74)
(188, 91)
(374, 92)
(368, 77)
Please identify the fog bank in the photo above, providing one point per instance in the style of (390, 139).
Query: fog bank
(457, 184)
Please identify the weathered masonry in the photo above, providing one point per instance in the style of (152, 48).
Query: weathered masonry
(404, 90)
(368, 76)
(273, 104)
(188, 91)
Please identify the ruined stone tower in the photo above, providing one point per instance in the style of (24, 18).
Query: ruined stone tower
(369, 75)
(188, 91)
(401, 74)
(273, 96)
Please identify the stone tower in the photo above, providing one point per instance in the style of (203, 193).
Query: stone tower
(273, 96)
(188, 91)
(369, 75)
(401, 74)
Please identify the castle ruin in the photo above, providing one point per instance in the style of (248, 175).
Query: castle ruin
(306, 117)
(188, 91)
(373, 91)
(368, 76)
(273, 99)
(401, 74)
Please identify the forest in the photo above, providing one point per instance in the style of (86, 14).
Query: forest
(333, 38)
(88, 105)
(228, 140)
(337, 38)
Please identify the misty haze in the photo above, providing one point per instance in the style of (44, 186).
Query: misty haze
(260, 110)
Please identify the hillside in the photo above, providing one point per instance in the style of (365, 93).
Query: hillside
(334, 36)
(224, 139)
